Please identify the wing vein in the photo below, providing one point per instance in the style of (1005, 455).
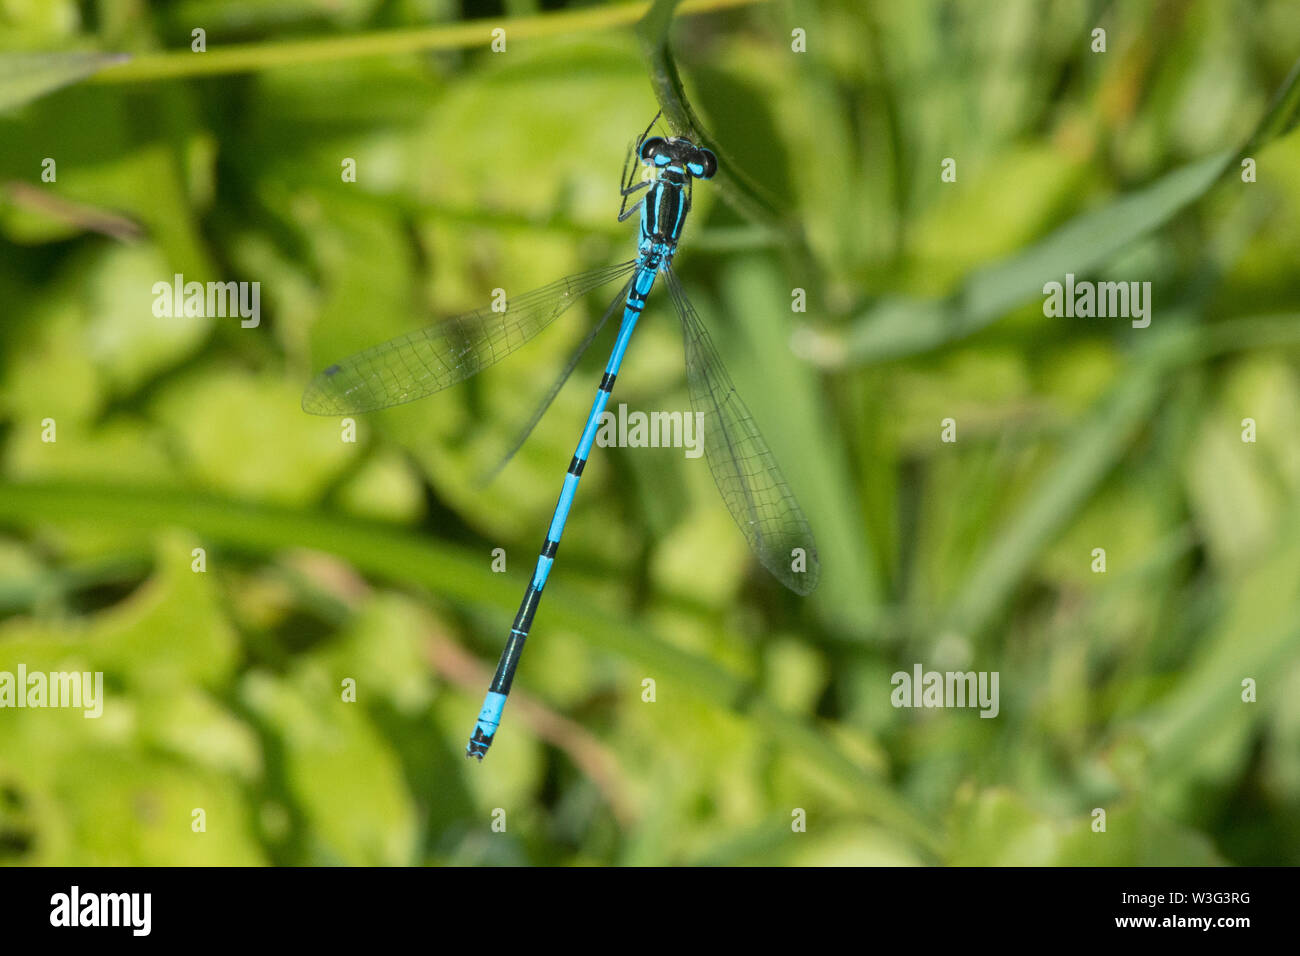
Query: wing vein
(430, 359)
(743, 466)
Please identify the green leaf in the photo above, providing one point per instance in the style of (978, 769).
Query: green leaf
(27, 76)
(1135, 835)
(997, 828)
(365, 816)
(249, 436)
(399, 556)
(120, 787)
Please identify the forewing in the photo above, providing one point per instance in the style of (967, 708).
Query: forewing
(544, 404)
(427, 360)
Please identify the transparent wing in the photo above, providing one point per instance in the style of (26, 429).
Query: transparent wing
(743, 467)
(526, 429)
(430, 359)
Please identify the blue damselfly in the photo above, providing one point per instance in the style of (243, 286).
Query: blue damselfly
(430, 359)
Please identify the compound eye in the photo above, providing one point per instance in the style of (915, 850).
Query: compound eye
(704, 165)
(654, 151)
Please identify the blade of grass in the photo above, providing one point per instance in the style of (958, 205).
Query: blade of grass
(1256, 637)
(398, 556)
(1093, 449)
(898, 327)
(736, 188)
(803, 439)
(250, 57)
(27, 76)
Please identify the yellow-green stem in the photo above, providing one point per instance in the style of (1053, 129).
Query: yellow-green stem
(247, 57)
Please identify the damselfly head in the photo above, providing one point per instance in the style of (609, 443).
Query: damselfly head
(680, 153)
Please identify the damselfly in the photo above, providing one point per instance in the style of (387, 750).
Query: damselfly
(428, 360)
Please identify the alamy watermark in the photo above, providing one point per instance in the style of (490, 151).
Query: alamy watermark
(923, 688)
(652, 430)
(130, 910)
(1102, 300)
(80, 689)
(213, 300)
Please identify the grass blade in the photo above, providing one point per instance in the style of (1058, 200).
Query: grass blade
(251, 57)
(739, 191)
(28, 76)
(898, 327)
(387, 553)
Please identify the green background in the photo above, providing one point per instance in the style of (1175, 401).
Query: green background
(371, 561)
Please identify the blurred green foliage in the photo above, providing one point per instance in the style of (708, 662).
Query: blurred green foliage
(371, 562)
